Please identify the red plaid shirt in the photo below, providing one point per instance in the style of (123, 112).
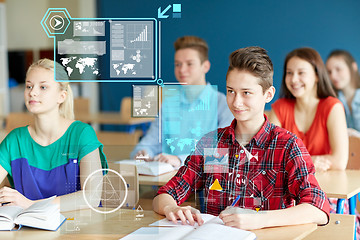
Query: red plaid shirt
(274, 171)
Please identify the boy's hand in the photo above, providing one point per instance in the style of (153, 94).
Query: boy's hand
(187, 215)
(241, 218)
(12, 197)
(140, 156)
(167, 158)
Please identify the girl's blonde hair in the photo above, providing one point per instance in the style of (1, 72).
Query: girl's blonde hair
(66, 108)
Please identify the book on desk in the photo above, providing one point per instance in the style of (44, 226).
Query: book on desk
(213, 228)
(153, 168)
(42, 215)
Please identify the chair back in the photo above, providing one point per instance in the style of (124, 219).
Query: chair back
(81, 106)
(118, 138)
(114, 188)
(17, 119)
(354, 152)
(118, 145)
(125, 108)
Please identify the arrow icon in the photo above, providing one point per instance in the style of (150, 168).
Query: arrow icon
(161, 13)
(57, 23)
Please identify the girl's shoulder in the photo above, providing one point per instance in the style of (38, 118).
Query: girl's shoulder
(283, 105)
(331, 99)
(22, 132)
(79, 127)
(329, 102)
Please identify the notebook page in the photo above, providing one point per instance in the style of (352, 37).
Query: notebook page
(159, 233)
(9, 212)
(167, 223)
(215, 229)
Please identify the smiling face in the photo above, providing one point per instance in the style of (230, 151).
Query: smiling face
(188, 67)
(245, 97)
(339, 72)
(300, 78)
(42, 94)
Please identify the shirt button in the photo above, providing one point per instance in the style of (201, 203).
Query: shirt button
(263, 172)
(241, 151)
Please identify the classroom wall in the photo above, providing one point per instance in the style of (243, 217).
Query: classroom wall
(24, 32)
(23, 20)
(278, 26)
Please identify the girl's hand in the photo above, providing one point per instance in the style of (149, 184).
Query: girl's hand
(12, 197)
(321, 163)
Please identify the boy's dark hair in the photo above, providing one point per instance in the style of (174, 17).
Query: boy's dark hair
(324, 88)
(349, 60)
(255, 61)
(195, 43)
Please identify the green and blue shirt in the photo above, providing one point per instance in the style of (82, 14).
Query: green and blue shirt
(38, 171)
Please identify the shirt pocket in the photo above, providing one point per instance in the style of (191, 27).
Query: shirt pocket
(261, 188)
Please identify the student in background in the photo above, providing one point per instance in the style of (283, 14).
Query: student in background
(344, 75)
(182, 122)
(56, 154)
(308, 107)
(268, 167)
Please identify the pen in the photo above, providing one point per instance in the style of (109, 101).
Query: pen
(235, 201)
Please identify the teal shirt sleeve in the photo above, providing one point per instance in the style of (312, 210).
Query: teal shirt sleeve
(88, 142)
(5, 160)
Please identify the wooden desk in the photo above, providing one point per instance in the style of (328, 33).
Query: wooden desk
(340, 227)
(101, 118)
(115, 118)
(156, 180)
(342, 185)
(88, 224)
(339, 184)
(111, 118)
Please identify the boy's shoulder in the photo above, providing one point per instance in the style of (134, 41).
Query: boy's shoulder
(280, 134)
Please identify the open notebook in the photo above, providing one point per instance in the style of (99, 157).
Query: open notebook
(154, 168)
(213, 228)
(43, 215)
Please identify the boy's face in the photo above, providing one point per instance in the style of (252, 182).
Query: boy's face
(188, 67)
(245, 96)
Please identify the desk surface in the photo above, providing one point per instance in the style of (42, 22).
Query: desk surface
(111, 118)
(87, 224)
(339, 184)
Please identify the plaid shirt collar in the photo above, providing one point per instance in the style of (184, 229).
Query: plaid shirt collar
(259, 139)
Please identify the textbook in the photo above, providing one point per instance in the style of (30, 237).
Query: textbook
(153, 168)
(43, 215)
(213, 228)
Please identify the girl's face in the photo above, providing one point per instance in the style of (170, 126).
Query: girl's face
(300, 78)
(42, 94)
(339, 72)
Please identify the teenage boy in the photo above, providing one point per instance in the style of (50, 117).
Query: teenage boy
(197, 108)
(268, 167)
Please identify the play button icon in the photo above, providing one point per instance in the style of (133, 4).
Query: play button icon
(56, 22)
